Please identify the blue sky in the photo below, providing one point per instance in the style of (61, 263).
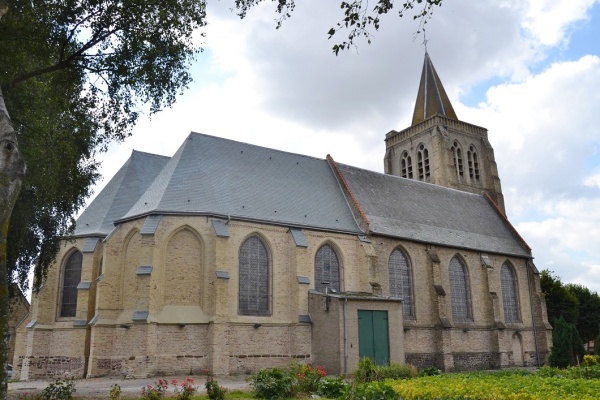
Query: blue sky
(528, 71)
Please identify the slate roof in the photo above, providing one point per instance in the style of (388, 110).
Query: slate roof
(409, 209)
(225, 178)
(120, 194)
(431, 98)
(221, 177)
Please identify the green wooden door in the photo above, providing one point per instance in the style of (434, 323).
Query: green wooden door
(373, 338)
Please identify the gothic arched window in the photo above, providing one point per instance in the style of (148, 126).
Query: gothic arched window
(327, 269)
(510, 298)
(406, 166)
(400, 282)
(459, 291)
(423, 163)
(458, 160)
(473, 164)
(70, 279)
(254, 278)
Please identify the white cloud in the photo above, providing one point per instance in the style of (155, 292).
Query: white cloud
(549, 20)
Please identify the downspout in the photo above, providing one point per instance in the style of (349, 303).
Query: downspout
(535, 339)
(345, 339)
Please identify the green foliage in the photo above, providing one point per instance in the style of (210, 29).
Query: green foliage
(368, 371)
(155, 391)
(590, 360)
(115, 392)
(331, 388)
(305, 378)
(369, 391)
(75, 76)
(566, 345)
(588, 311)
(60, 389)
(273, 383)
(597, 344)
(429, 371)
(214, 391)
(493, 385)
(559, 301)
(586, 372)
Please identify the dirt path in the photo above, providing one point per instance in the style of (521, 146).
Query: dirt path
(98, 388)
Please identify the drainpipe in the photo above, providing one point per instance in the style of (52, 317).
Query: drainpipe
(537, 352)
(345, 339)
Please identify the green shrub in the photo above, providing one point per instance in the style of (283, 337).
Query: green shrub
(273, 383)
(331, 388)
(566, 344)
(369, 391)
(60, 389)
(115, 392)
(367, 371)
(214, 391)
(156, 391)
(429, 371)
(305, 378)
(589, 360)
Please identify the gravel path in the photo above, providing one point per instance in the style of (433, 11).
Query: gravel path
(98, 388)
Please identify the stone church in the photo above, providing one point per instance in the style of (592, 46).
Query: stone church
(233, 257)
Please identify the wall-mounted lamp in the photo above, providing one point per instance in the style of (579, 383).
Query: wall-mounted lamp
(257, 325)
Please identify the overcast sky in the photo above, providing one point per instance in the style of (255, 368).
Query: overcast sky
(528, 71)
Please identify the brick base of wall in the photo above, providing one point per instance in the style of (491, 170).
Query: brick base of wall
(476, 361)
(421, 360)
(52, 367)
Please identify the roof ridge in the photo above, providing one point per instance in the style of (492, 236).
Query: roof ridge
(346, 188)
(256, 145)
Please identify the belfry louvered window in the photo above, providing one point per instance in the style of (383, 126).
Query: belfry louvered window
(423, 163)
(510, 299)
(459, 292)
(473, 164)
(458, 160)
(70, 279)
(406, 166)
(254, 278)
(327, 269)
(400, 282)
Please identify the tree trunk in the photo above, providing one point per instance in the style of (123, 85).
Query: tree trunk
(12, 172)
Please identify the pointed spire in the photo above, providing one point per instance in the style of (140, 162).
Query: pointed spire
(432, 98)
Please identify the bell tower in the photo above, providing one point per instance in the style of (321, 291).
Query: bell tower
(439, 148)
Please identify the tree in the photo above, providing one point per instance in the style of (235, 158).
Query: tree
(76, 74)
(559, 301)
(588, 311)
(566, 345)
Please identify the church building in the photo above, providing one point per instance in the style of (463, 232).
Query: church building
(233, 257)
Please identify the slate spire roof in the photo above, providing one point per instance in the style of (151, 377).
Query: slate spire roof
(431, 98)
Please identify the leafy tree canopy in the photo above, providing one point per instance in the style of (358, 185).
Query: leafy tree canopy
(559, 301)
(589, 311)
(75, 76)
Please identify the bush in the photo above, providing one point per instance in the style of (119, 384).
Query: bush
(214, 391)
(273, 383)
(370, 391)
(156, 391)
(430, 371)
(60, 389)
(305, 378)
(367, 371)
(566, 344)
(589, 360)
(332, 388)
(115, 392)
